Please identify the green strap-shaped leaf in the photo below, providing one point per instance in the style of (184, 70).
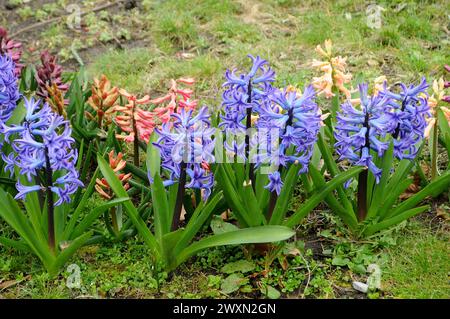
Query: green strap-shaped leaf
(118, 189)
(380, 188)
(67, 253)
(347, 216)
(197, 221)
(392, 197)
(253, 235)
(281, 206)
(82, 204)
(153, 159)
(160, 208)
(93, 215)
(232, 197)
(334, 170)
(314, 200)
(395, 220)
(434, 188)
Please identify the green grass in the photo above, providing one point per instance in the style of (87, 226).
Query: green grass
(418, 266)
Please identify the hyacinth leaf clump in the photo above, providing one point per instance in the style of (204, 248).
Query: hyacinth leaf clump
(287, 123)
(44, 161)
(184, 148)
(386, 126)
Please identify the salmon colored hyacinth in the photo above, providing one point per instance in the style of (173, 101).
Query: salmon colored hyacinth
(434, 100)
(177, 98)
(133, 120)
(117, 164)
(102, 100)
(334, 72)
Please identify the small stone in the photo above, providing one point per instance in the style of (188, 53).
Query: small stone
(372, 62)
(360, 286)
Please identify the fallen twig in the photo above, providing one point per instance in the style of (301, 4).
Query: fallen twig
(55, 19)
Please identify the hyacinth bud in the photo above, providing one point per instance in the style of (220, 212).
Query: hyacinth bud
(48, 74)
(56, 100)
(11, 48)
(102, 100)
(117, 164)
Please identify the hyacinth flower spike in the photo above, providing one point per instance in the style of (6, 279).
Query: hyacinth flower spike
(297, 119)
(358, 132)
(102, 100)
(406, 117)
(9, 92)
(49, 74)
(136, 123)
(44, 147)
(335, 76)
(186, 147)
(244, 94)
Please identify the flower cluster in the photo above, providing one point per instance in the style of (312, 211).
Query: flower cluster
(296, 119)
(56, 100)
(9, 93)
(117, 164)
(406, 113)
(102, 100)
(244, 94)
(177, 98)
(359, 130)
(434, 100)
(13, 49)
(48, 74)
(186, 147)
(43, 148)
(334, 72)
(134, 121)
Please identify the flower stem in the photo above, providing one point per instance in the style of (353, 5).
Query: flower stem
(50, 204)
(434, 152)
(362, 178)
(136, 138)
(362, 195)
(248, 124)
(273, 195)
(180, 196)
(114, 222)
